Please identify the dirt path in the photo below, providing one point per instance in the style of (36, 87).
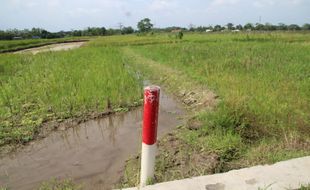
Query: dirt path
(192, 94)
(53, 47)
(92, 153)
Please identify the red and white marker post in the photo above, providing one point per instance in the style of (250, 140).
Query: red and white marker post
(149, 133)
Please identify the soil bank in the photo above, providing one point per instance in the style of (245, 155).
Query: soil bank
(53, 47)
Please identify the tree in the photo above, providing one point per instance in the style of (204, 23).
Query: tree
(103, 31)
(44, 34)
(201, 29)
(145, 25)
(248, 26)
(282, 26)
(209, 27)
(293, 27)
(306, 27)
(230, 26)
(36, 31)
(270, 27)
(77, 33)
(259, 26)
(217, 27)
(239, 27)
(191, 27)
(127, 30)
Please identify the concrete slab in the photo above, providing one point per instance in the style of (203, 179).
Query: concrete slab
(284, 175)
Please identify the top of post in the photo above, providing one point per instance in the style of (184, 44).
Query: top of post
(152, 88)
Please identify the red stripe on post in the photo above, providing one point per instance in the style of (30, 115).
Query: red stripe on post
(150, 115)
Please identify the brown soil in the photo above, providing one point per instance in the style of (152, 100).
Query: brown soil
(41, 45)
(180, 156)
(175, 160)
(53, 47)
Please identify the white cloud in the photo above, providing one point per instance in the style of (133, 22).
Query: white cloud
(224, 2)
(53, 3)
(263, 3)
(77, 12)
(162, 5)
(31, 4)
(268, 3)
(217, 6)
(15, 2)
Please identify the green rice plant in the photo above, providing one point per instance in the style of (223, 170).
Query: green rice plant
(56, 184)
(266, 82)
(263, 83)
(61, 85)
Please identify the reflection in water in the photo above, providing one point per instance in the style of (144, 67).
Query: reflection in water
(100, 125)
(112, 131)
(92, 153)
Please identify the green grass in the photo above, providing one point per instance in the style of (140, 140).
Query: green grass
(267, 83)
(61, 85)
(305, 187)
(56, 184)
(263, 84)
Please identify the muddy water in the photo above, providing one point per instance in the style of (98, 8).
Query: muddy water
(53, 47)
(92, 153)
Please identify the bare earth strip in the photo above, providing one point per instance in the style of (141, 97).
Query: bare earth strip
(195, 96)
(53, 47)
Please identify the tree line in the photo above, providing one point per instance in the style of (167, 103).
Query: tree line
(251, 26)
(42, 33)
(145, 26)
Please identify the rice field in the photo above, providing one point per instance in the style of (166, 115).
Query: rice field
(263, 77)
(263, 87)
(261, 83)
(59, 85)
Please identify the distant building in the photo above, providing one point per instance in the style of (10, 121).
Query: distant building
(36, 37)
(209, 30)
(236, 30)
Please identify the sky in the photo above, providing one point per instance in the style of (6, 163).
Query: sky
(56, 15)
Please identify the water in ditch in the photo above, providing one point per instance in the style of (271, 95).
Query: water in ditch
(92, 153)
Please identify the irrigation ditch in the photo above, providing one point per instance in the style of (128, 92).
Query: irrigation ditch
(92, 153)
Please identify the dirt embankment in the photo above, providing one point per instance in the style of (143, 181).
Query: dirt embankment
(43, 44)
(53, 47)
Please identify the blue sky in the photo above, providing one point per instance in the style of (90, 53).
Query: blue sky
(55, 15)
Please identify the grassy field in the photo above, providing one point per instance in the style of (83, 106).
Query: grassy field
(263, 110)
(59, 85)
(14, 45)
(248, 95)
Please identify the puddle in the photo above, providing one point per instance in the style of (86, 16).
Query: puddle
(92, 153)
(53, 47)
